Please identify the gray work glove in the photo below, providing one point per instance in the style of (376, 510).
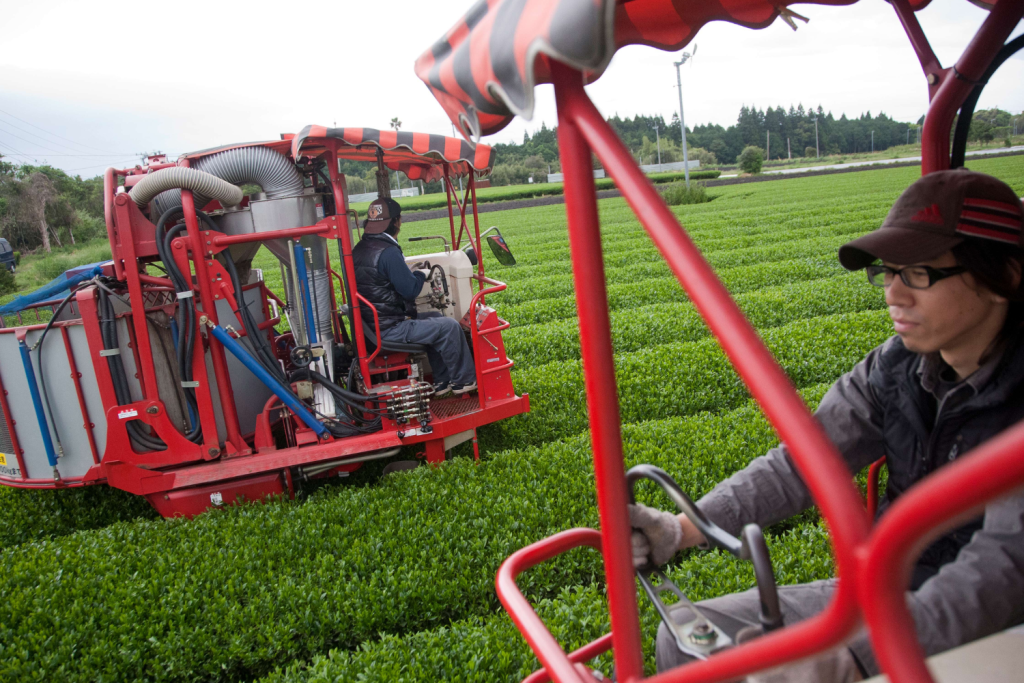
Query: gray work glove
(657, 535)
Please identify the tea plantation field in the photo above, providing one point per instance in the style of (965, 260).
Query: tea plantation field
(392, 580)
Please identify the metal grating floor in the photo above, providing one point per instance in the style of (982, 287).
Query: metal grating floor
(454, 406)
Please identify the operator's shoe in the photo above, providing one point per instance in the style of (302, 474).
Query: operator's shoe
(442, 389)
(459, 389)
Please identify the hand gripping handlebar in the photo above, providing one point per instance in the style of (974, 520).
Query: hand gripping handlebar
(699, 637)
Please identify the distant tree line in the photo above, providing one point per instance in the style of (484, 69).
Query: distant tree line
(42, 207)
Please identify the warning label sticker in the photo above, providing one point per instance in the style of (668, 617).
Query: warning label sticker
(125, 414)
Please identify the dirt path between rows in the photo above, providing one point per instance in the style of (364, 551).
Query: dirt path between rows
(608, 194)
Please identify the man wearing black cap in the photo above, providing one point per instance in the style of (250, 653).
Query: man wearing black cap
(384, 279)
(949, 258)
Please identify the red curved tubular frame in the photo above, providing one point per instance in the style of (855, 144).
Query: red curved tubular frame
(874, 472)
(873, 567)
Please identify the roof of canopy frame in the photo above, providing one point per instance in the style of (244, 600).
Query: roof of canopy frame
(420, 156)
(484, 69)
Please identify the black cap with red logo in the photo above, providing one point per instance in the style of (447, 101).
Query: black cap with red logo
(935, 214)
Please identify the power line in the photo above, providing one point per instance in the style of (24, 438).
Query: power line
(49, 149)
(16, 152)
(8, 123)
(82, 168)
(80, 144)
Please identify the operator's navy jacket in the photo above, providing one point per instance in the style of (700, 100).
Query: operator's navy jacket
(909, 407)
(384, 279)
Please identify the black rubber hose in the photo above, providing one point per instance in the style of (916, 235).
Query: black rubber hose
(122, 392)
(186, 314)
(963, 122)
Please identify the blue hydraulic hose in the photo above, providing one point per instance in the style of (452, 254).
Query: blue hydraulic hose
(282, 392)
(44, 426)
(307, 303)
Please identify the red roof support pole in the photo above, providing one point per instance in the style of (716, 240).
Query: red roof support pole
(602, 396)
(948, 497)
(815, 456)
(961, 81)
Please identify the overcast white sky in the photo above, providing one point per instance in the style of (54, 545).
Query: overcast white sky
(87, 84)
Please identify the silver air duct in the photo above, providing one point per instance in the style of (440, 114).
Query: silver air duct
(208, 184)
(273, 172)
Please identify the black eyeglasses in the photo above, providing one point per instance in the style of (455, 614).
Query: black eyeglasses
(915, 277)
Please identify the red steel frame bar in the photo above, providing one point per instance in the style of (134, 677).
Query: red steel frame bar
(15, 446)
(549, 652)
(475, 333)
(874, 472)
(76, 378)
(948, 497)
(969, 69)
(220, 364)
(602, 396)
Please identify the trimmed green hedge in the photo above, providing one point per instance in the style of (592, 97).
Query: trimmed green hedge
(639, 328)
(491, 649)
(637, 292)
(31, 515)
(234, 593)
(682, 378)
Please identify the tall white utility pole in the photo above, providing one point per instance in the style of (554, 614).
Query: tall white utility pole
(817, 151)
(872, 141)
(789, 150)
(658, 138)
(768, 146)
(682, 125)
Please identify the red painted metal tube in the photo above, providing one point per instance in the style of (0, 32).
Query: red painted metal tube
(154, 280)
(476, 228)
(584, 654)
(448, 194)
(220, 363)
(76, 378)
(599, 366)
(929, 62)
(946, 498)
(475, 334)
(874, 472)
(376, 327)
(14, 435)
(954, 90)
(548, 651)
(816, 458)
(290, 233)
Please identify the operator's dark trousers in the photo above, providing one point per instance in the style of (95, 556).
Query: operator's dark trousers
(732, 613)
(447, 350)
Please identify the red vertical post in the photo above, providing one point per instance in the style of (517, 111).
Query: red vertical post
(76, 378)
(448, 192)
(15, 446)
(220, 362)
(599, 369)
(476, 226)
(970, 68)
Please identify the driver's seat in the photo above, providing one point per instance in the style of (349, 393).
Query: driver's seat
(371, 338)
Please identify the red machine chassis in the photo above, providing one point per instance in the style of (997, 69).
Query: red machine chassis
(251, 465)
(873, 564)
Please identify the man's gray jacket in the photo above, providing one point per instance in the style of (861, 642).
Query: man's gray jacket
(969, 583)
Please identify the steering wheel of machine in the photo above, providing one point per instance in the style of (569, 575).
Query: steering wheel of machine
(699, 637)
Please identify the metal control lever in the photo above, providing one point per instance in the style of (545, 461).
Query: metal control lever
(699, 637)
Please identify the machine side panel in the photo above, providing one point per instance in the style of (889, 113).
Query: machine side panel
(67, 413)
(90, 387)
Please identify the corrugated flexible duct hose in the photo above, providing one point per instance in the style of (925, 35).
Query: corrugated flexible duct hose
(178, 177)
(273, 172)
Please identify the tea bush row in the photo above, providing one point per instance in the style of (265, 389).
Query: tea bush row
(637, 292)
(682, 378)
(233, 593)
(639, 328)
(491, 649)
(35, 514)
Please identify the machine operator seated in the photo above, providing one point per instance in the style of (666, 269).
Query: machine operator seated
(384, 279)
(949, 257)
